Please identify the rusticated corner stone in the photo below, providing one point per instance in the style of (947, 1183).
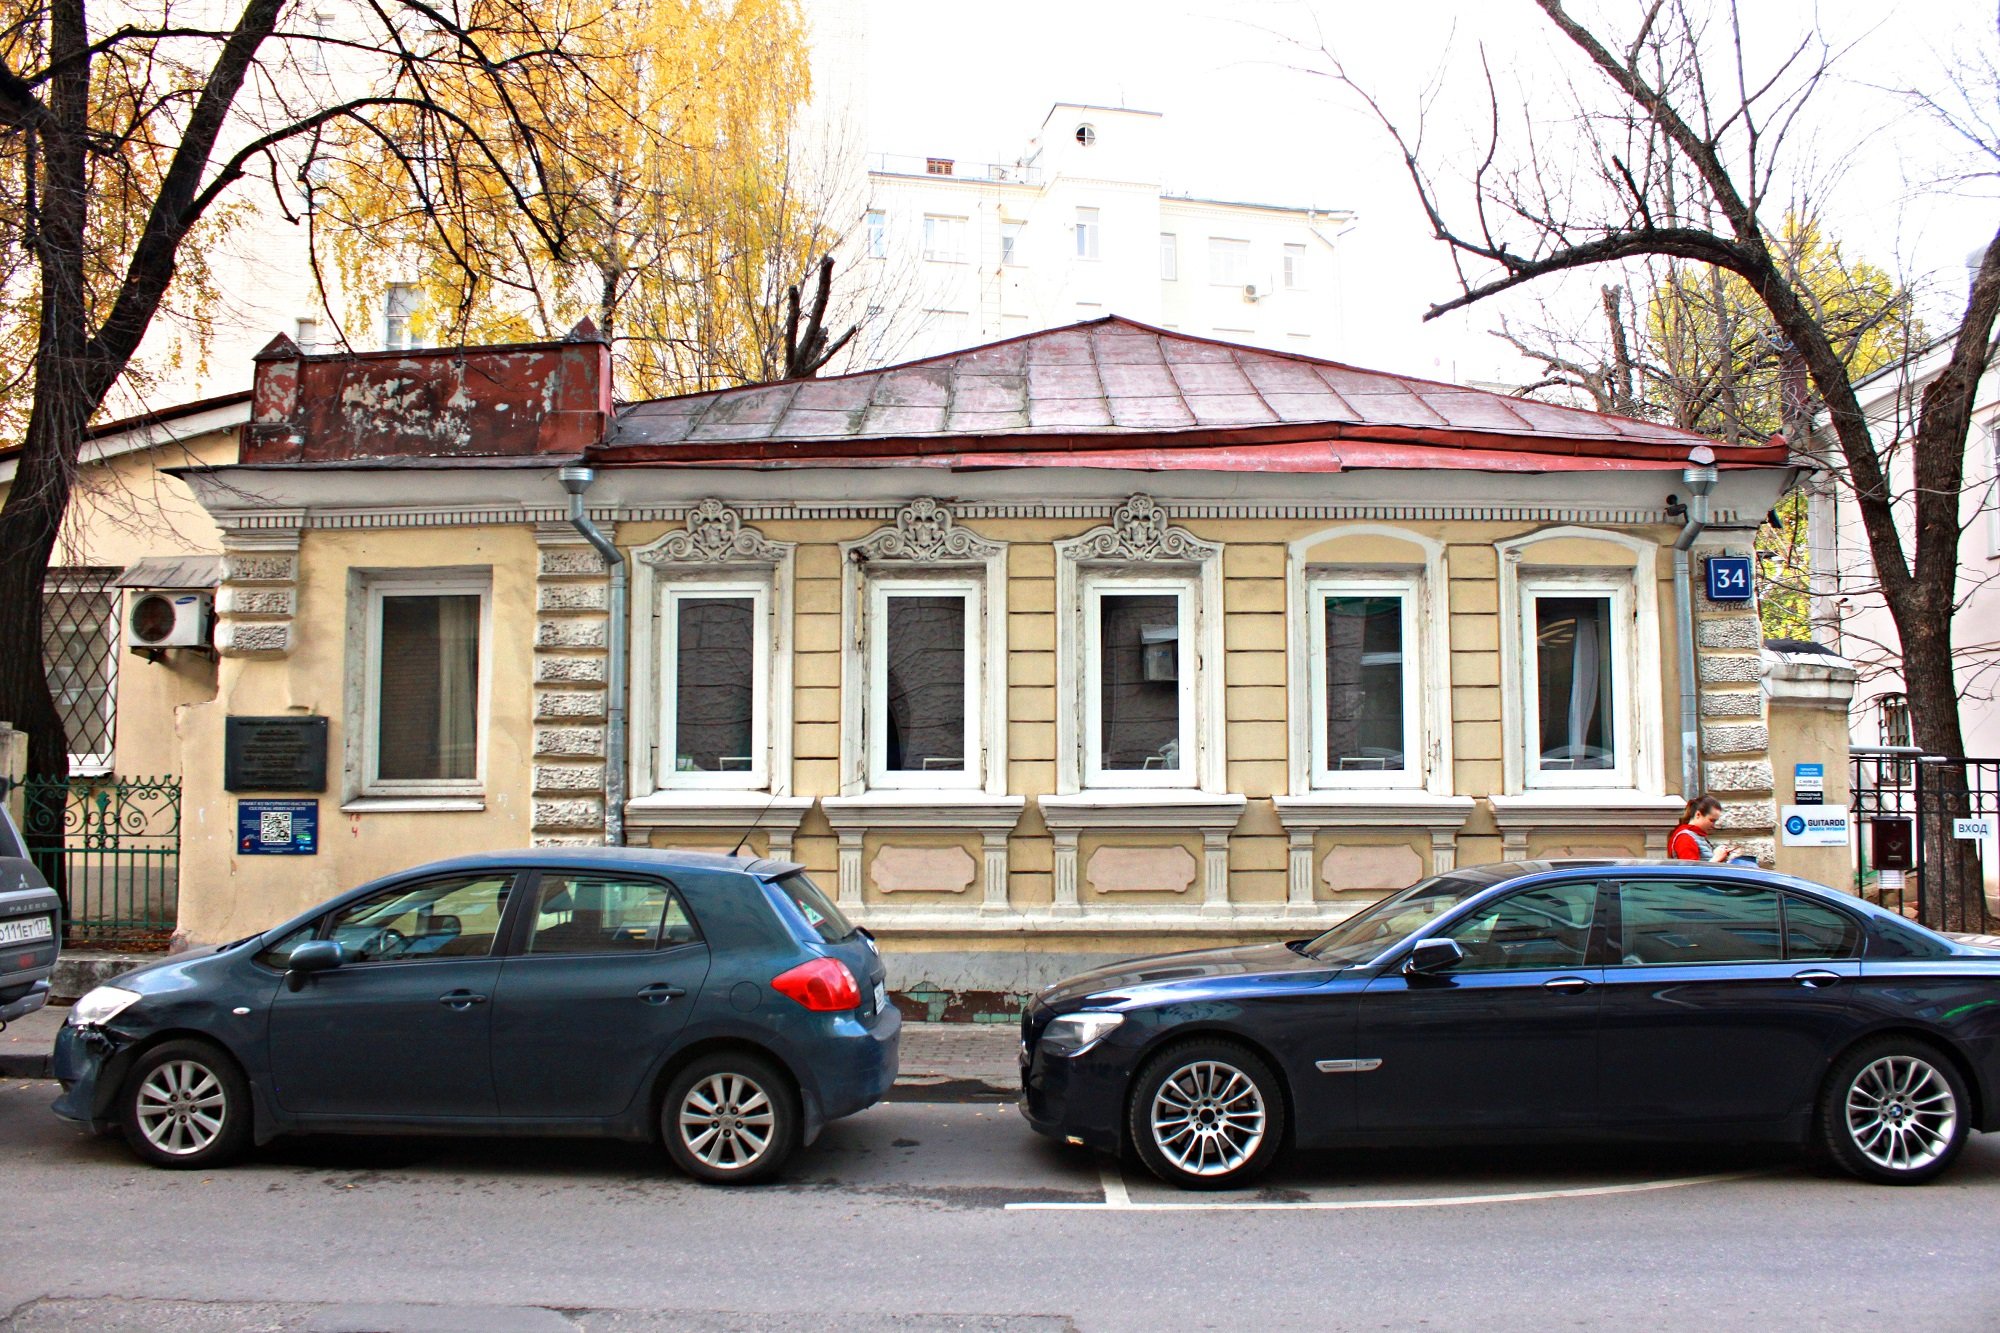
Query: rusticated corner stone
(239, 638)
(566, 840)
(559, 561)
(578, 812)
(571, 597)
(1749, 776)
(567, 778)
(570, 742)
(1747, 739)
(1729, 632)
(569, 670)
(1730, 670)
(560, 705)
(231, 600)
(1752, 815)
(579, 633)
(1732, 704)
(249, 567)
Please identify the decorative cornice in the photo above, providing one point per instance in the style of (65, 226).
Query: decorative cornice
(925, 530)
(715, 535)
(1138, 531)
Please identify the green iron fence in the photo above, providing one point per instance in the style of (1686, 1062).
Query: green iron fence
(113, 850)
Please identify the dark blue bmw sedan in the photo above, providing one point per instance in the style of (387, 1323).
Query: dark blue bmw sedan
(1537, 1001)
(722, 1005)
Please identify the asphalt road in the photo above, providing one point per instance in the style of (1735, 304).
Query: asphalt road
(935, 1215)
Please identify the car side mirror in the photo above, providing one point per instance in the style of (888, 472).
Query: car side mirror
(308, 958)
(1432, 956)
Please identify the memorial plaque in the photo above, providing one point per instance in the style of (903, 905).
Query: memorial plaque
(274, 754)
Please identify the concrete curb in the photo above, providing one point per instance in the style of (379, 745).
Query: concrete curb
(27, 1066)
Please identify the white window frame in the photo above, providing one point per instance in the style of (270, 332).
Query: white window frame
(1294, 270)
(875, 638)
(392, 323)
(69, 582)
(374, 586)
(672, 592)
(875, 234)
(1237, 251)
(1408, 589)
(1170, 257)
(1991, 430)
(1094, 587)
(1089, 232)
(954, 229)
(1618, 591)
(1010, 242)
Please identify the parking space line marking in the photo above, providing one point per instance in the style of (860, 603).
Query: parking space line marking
(1118, 1199)
(1112, 1177)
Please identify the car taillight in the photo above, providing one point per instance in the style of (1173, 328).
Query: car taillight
(824, 986)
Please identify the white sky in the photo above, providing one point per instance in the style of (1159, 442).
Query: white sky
(1245, 121)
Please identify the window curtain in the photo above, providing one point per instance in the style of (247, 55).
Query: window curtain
(458, 687)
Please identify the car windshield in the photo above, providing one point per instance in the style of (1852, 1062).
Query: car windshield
(1391, 921)
(815, 907)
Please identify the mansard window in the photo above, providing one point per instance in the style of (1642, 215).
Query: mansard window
(924, 683)
(715, 646)
(1139, 699)
(1366, 688)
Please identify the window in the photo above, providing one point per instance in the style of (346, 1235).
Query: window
(1366, 702)
(1010, 243)
(820, 912)
(1665, 922)
(944, 238)
(1295, 268)
(1814, 930)
(456, 917)
(1578, 713)
(1139, 688)
(1993, 491)
(1895, 719)
(1086, 135)
(399, 307)
(1228, 262)
(1170, 257)
(924, 676)
(425, 672)
(80, 633)
(939, 166)
(715, 644)
(307, 336)
(596, 914)
(1087, 228)
(948, 327)
(875, 232)
(1536, 929)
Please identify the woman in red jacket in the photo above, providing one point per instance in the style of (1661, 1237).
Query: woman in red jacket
(1690, 839)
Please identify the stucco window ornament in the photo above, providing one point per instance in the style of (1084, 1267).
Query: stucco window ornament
(1139, 531)
(926, 530)
(715, 535)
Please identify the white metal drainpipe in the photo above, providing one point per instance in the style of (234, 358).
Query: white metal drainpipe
(576, 480)
(1699, 476)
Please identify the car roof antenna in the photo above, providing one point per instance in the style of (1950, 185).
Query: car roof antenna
(776, 792)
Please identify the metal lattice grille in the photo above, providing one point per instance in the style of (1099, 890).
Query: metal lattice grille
(80, 655)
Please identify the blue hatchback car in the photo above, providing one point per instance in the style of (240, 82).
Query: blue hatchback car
(720, 1004)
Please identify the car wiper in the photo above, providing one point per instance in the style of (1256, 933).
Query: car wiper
(1298, 947)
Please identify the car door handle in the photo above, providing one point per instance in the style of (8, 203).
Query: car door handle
(660, 992)
(1567, 985)
(461, 999)
(1814, 979)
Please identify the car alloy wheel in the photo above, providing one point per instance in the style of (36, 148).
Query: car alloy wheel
(186, 1105)
(1207, 1115)
(1894, 1112)
(730, 1118)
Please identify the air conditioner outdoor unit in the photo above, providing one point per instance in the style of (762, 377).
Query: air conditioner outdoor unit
(1253, 292)
(168, 618)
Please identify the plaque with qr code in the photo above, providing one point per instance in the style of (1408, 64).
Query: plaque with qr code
(277, 828)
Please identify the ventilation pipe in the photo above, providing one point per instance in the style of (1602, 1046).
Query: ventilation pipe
(1699, 476)
(576, 479)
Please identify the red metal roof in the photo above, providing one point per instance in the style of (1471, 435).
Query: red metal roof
(1115, 393)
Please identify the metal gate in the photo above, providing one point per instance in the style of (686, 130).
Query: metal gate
(113, 850)
(1899, 785)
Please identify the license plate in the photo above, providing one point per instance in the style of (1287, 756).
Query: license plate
(881, 998)
(20, 932)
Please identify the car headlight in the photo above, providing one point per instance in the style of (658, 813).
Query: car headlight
(1073, 1034)
(102, 1005)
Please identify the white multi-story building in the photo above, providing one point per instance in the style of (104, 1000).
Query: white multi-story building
(1081, 225)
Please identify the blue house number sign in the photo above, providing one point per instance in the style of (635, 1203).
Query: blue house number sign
(1729, 578)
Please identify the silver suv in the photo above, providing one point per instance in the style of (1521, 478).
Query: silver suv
(29, 927)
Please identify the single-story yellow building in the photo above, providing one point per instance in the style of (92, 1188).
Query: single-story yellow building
(1098, 640)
